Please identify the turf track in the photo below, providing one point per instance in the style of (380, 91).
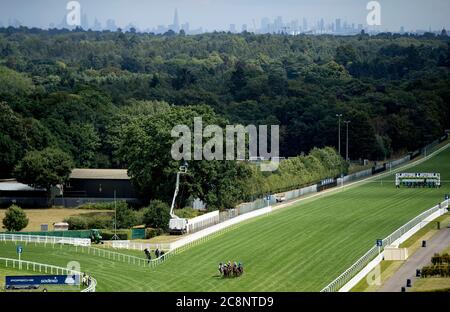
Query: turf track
(299, 248)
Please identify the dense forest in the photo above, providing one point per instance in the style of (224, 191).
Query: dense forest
(79, 91)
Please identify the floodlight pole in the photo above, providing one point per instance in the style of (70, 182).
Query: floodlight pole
(115, 237)
(346, 148)
(339, 116)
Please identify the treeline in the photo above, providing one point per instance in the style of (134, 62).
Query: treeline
(145, 144)
(77, 91)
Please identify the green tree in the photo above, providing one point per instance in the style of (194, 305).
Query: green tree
(15, 219)
(44, 169)
(126, 217)
(157, 215)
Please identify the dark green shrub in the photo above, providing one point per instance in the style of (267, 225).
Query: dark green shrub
(99, 206)
(77, 223)
(15, 219)
(123, 235)
(151, 232)
(99, 222)
(157, 215)
(126, 216)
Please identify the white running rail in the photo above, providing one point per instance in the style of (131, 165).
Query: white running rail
(411, 227)
(45, 239)
(45, 268)
(126, 244)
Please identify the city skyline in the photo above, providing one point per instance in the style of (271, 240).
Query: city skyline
(181, 17)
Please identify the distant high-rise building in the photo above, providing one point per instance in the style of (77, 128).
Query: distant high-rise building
(131, 28)
(14, 22)
(160, 29)
(111, 25)
(305, 24)
(97, 25)
(322, 26)
(265, 25)
(84, 22)
(402, 29)
(244, 27)
(232, 28)
(279, 26)
(185, 27)
(176, 22)
(338, 28)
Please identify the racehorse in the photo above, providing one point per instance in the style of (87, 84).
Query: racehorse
(231, 270)
(238, 270)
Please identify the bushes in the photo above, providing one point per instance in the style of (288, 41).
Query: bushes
(436, 271)
(151, 232)
(122, 234)
(440, 259)
(297, 172)
(15, 219)
(126, 217)
(97, 206)
(157, 215)
(77, 223)
(440, 267)
(187, 213)
(90, 221)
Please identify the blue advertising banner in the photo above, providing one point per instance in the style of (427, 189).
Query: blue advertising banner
(42, 280)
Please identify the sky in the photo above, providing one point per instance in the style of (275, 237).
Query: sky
(219, 14)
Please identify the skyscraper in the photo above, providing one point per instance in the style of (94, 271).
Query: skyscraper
(322, 26)
(84, 21)
(176, 22)
(305, 24)
(338, 26)
(265, 22)
(279, 24)
(97, 25)
(185, 27)
(111, 25)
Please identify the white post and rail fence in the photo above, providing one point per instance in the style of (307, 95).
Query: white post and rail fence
(364, 265)
(45, 268)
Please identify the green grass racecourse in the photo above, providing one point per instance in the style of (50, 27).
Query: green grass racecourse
(300, 248)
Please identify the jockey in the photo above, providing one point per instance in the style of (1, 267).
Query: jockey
(220, 267)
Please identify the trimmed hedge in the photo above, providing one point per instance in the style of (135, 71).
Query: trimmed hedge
(122, 234)
(440, 267)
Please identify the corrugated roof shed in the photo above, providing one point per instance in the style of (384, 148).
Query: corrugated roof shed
(16, 186)
(100, 174)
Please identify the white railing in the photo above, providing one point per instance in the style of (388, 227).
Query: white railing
(207, 234)
(45, 268)
(203, 221)
(362, 262)
(126, 244)
(45, 239)
(112, 255)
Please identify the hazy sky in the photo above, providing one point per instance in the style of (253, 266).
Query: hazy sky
(218, 14)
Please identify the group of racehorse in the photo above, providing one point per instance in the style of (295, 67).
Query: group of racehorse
(231, 270)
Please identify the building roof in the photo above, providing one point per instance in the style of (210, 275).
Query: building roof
(12, 185)
(100, 174)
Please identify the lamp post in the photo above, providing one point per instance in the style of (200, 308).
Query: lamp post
(115, 237)
(346, 148)
(339, 116)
